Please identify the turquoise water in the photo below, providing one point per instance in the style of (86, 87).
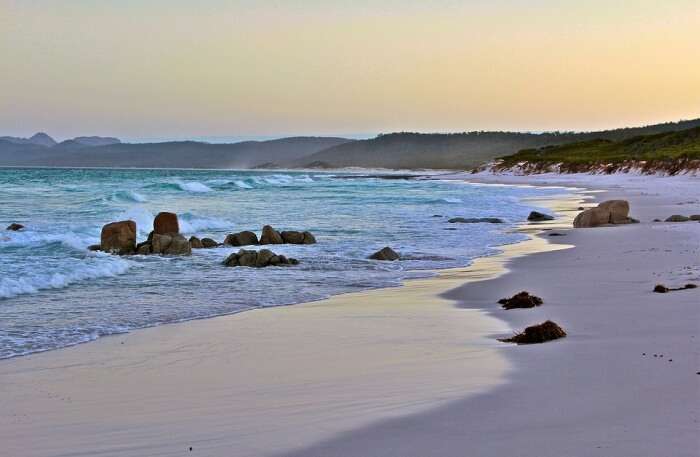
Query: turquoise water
(54, 293)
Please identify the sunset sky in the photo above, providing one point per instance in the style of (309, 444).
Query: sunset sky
(179, 69)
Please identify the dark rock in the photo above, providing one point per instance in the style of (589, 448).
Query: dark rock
(292, 237)
(195, 243)
(695, 217)
(661, 289)
(475, 220)
(143, 248)
(656, 220)
(171, 244)
(257, 259)
(270, 236)
(94, 247)
(309, 238)
(521, 300)
(165, 223)
(119, 237)
(536, 216)
(245, 238)
(15, 227)
(677, 218)
(209, 243)
(556, 234)
(540, 333)
(386, 253)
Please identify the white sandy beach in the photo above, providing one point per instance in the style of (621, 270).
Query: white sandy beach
(410, 371)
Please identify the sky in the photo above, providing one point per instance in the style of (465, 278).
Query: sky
(242, 68)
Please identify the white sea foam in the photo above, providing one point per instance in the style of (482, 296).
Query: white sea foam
(93, 267)
(193, 186)
(452, 200)
(129, 196)
(29, 238)
(242, 184)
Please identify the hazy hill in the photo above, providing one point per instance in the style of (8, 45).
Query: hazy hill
(458, 150)
(667, 151)
(38, 139)
(181, 154)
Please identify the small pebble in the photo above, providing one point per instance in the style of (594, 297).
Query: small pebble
(670, 360)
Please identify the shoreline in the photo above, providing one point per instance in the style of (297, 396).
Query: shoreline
(629, 351)
(431, 380)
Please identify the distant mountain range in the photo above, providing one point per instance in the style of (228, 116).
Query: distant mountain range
(395, 150)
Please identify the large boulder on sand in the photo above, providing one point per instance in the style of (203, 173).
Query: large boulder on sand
(119, 237)
(608, 212)
(386, 253)
(619, 210)
(245, 238)
(165, 223)
(258, 259)
(270, 236)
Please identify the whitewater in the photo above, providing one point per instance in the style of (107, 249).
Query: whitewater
(55, 293)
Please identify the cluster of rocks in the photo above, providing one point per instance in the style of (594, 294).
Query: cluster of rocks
(269, 236)
(258, 259)
(611, 212)
(165, 239)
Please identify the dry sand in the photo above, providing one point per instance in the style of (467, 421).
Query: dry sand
(405, 372)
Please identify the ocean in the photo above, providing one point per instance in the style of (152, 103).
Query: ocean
(55, 293)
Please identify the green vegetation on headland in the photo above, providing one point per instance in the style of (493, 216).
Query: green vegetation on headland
(668, 152)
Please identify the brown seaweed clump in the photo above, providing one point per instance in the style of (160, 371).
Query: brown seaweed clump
(661, 289)
(521, 300)
(540, 333)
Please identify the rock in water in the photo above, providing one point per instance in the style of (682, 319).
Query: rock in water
(386, 253)
(119, 237)
(196, 243)
(15, 227)
(292, 237)
(677, 218)
(245, 238)
(475, 220)
(94, 247)
(661, 289)
(521, 300)
(270, 236)
(165, 223)
(258, 259)
(209, 243)
(536, 216)
(540, 333)
(309, 238)
(172, 244)
(695, 217)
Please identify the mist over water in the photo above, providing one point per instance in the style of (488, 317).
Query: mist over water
(54, 293)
